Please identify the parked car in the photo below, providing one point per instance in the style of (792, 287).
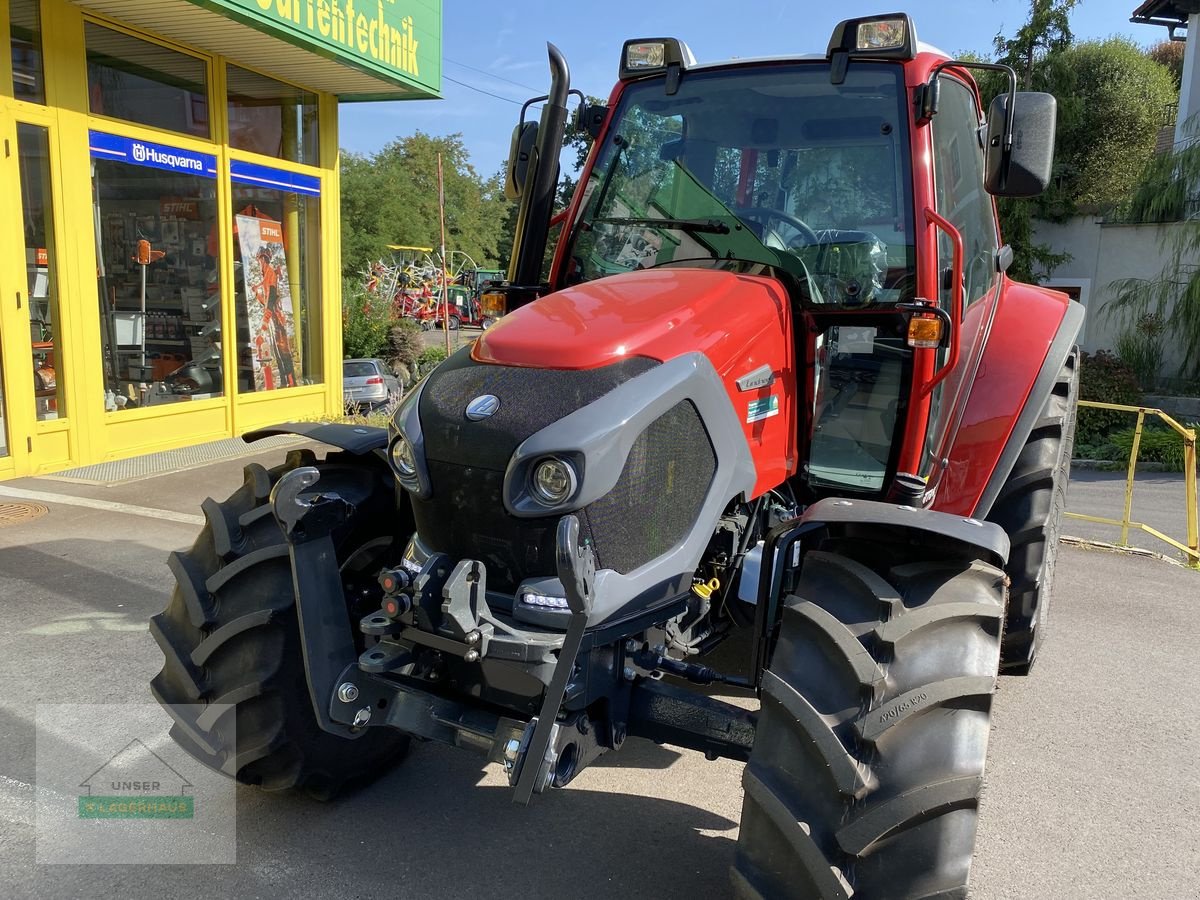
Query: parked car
(368, 383)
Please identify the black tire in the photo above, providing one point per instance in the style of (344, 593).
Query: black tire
(1030, 508)
(868, 760)
(487, 323)
(230, 635)
(453, 323)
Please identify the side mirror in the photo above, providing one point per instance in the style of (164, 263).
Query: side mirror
(520, 154)
(1024, 169)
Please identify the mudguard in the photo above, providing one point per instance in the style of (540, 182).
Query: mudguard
(786, 545)
(356, 439)
(1033, 333)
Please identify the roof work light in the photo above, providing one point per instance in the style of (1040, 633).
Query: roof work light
(653, 56)
(891, 36)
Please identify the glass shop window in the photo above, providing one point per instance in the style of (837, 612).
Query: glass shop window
(277, 266)
(25, 36)
(159, 282)
(272, 118)
(140, 81)
(37, 223)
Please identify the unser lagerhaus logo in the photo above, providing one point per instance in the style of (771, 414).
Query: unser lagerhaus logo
(136, 783)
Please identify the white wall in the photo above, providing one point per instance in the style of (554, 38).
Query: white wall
(1100, 254)
(1189, 90)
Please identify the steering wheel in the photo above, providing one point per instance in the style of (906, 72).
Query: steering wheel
(764, 214)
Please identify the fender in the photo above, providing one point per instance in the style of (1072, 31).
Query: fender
(356, 439)
(785, 546)
(1034, 331)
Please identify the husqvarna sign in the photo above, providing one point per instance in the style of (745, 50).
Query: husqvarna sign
(155, 156)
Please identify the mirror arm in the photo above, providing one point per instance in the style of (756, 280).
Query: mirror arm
(929, 100)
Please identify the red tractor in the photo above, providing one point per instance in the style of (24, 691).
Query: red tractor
(777, 384)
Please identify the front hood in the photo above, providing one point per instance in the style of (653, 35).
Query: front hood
(655, 313)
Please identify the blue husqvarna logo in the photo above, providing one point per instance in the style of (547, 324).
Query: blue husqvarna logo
(482, 407)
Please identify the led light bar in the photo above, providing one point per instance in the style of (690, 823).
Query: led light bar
(543, 601)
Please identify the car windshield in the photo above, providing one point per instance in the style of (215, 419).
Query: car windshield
(772, 165)
(358, 369)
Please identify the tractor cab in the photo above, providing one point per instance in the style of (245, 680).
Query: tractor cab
(860, 180)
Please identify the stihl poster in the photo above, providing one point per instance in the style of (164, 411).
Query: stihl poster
(268, 304)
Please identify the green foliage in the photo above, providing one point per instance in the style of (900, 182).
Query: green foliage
(1140, 346)
(1159, 444)
(405, 343)
(430, 357)
(366, 323)
(1170, 55)
(1112, 100)
(1031, 261)
(391, 197)
(1104, 377)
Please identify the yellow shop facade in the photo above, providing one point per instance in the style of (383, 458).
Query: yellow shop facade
(169, 257)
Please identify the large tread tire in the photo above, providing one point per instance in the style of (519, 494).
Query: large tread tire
(868, 760)
(230, 636)
(1030, 509)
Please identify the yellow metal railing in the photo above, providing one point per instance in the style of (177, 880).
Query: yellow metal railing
(1192, 549)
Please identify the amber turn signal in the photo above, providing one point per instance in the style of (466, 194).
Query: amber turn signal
(924, 331)
(492, 304)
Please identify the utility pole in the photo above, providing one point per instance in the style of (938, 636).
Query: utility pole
(445, 289)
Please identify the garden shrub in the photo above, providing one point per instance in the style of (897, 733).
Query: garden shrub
(366, 323)
(1158, 444)
(1104, 377)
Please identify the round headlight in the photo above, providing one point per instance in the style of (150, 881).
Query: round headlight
(553, 481)
(403, 458)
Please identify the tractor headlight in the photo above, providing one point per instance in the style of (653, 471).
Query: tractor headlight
(553, 481)
(403, 458)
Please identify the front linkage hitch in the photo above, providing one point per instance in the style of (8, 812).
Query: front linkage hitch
(444, 610)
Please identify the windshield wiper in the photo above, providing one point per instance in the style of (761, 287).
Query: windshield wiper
(697, 226)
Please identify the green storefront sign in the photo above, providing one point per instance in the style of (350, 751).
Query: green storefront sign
(400, 40)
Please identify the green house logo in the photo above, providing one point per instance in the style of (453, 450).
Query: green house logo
(136, 783)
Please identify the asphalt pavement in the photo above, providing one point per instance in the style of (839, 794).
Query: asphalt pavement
(1091, 789)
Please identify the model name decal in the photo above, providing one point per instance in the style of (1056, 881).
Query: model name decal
(762, 409)
(761, 377)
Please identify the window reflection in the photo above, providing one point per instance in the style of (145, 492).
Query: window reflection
(272, 118)
(144, 82)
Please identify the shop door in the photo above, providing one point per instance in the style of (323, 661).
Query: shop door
(10, 345)
(32, 406)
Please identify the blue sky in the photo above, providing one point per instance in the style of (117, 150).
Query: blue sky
(490, 45)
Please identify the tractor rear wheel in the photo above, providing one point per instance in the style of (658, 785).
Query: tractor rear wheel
(1030, 508)
(230, 637)
(867, 765)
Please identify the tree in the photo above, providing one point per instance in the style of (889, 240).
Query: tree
(1047, 31)
(391, 197)
(1169, 54)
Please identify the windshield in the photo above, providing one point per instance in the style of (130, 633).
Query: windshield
(770, 165)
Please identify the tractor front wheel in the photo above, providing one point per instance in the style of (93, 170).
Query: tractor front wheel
(233, 678)
(868, 761)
